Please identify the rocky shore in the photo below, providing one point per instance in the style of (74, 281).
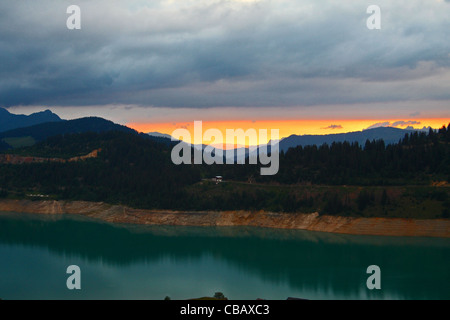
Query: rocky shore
(312, 221)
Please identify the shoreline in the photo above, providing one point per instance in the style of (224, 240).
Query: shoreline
(301, 221)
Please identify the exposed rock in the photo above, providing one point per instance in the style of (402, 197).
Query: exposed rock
(17, 159)
(312, 221)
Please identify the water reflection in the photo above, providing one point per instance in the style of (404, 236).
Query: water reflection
(329, 265)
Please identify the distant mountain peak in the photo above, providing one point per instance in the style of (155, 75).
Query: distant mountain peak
(46, 112)
(388, 134)
(9, 121)
(160, 135)
(45, 130)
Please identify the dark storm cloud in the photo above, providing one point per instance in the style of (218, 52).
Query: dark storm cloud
(222, 53)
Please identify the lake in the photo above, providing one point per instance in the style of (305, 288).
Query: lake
(152, 262)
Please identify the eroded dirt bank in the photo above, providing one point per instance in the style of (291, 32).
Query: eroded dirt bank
(312, 222)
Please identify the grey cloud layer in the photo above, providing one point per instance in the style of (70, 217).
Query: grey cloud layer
(223, 53)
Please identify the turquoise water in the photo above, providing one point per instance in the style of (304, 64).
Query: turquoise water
(136, 262)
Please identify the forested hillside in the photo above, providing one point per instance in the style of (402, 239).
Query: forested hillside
(405, 179)
(418, 158)
(130, 169)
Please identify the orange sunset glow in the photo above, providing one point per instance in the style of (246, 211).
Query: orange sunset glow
(289, 127)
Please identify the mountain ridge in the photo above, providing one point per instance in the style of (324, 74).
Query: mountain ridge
(10, 121)
(389, 135)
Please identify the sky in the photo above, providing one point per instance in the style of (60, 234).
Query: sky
(305, 67)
